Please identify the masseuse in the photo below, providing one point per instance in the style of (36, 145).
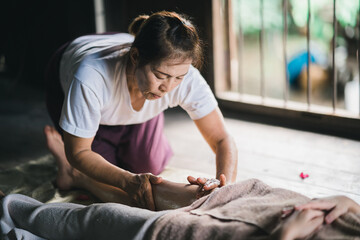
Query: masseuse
(107, 94)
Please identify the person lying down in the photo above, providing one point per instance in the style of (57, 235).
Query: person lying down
(245, 210)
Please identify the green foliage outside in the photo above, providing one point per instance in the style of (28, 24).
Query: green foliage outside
(247, 15)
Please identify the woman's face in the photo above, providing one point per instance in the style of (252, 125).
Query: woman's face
(154, 81)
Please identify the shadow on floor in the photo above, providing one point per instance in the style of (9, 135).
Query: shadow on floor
(22, 117)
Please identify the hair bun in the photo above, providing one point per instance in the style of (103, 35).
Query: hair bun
(135, 26)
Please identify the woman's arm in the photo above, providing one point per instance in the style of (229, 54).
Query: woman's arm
(137, 186)
(80, 156)
(212, 128)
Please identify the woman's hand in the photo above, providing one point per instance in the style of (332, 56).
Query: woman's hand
(140, 191)
(301, 224)
(207, 185)
(336, 206)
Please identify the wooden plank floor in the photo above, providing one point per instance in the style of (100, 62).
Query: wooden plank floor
(274, 155)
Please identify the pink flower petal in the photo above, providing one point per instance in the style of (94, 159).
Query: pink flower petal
(304, 175)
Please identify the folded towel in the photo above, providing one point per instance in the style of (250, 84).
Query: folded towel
(245, 210)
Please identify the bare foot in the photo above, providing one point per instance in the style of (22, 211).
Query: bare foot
(65, 178)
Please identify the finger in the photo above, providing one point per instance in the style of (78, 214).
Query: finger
(211, 183)
(315, 214)
(317, 204)
(210, 186)
(287, 209)
(334, 214)
(316, 223)
(287, 212)
(149, 198)
(155, 179)
(142, 203)
(139, 201)
(136, 200)
(192, 180)
(222, 180)
(308, 214)
(201, 180)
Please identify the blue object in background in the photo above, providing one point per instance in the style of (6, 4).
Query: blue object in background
(296, 64)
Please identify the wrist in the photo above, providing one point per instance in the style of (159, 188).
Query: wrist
(124, 178)
(287, 231)
(287, 234)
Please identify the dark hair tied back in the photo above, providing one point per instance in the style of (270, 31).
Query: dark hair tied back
(165, 35)
(135, 26)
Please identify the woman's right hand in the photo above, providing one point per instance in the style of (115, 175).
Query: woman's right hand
(139, 188)
(301, 224)
(207, 185)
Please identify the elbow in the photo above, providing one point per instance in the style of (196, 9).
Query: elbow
(74, 157)
(75, 148)
(227, 141)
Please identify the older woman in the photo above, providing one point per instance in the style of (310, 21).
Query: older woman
(107, 94)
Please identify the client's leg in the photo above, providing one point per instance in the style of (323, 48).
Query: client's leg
(171, 195)
(167, 195)
(72, 221)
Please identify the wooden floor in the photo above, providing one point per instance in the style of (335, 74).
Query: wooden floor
(274, 155)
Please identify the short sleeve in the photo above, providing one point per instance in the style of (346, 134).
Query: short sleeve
(81, 112)
(197, 99)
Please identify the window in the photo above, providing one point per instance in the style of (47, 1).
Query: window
(261, 61)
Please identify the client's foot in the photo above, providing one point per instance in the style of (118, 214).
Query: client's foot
(66, 175)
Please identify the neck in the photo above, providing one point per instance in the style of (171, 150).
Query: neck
(131, 81)
(136, 97)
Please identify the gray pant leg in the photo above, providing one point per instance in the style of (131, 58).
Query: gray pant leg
(72, 221)
(16, 234)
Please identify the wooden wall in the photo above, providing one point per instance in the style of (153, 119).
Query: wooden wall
(32, 30)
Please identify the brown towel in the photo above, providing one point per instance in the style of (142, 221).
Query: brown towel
(245, 210)
(252, 202)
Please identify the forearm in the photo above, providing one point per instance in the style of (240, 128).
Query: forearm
(227, 159)
(281, 233)
(95, 166)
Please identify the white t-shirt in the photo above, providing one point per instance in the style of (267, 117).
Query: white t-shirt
(92, 75)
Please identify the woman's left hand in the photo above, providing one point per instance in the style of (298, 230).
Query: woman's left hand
(207, 185)
(139, 189)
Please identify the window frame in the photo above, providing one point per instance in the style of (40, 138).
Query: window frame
(283, 113)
